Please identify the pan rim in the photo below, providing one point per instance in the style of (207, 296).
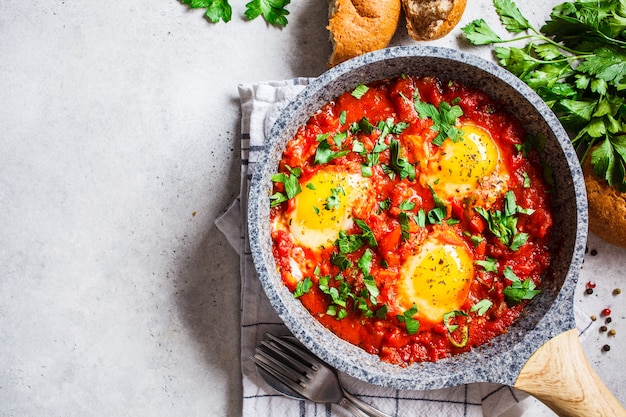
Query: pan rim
(353, 360)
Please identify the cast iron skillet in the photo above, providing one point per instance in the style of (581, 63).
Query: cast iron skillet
(541, 353)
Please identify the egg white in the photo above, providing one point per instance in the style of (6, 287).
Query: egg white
(436, 279)
(327, 205)
(470, 166)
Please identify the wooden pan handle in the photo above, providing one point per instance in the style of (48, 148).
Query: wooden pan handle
(559, 375)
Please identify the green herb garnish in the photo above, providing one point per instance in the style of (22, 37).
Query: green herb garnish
(444, 119)
(488, 264)
(412, 324)
(359, 91)
(324, 153)
(446, 320)
(503, 224)
(519, 290)
(303, 287)
(292, 186)
(273, 11)
(481, 307)
(400, 165)
(576, 62)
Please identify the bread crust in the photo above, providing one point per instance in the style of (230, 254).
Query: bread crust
(360, 26)
(607, 208)
(432, 19)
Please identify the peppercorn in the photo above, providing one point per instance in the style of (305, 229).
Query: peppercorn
(606, 312)
(617, 291)
(593, 318)
(608, 320)
(603, 329)
(606, 348)
(589, 291)
(612, 332)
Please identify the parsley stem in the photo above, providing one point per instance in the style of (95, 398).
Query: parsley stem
(537, 36)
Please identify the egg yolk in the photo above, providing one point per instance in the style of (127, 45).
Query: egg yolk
(437, 279)
(324, 207)
(464, 163)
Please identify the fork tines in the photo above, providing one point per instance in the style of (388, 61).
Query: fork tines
(285, 361)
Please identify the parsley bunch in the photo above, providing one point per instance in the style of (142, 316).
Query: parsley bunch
(273, 11)
(577, 64)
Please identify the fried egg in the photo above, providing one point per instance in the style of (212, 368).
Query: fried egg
(471, 165)
(326, 205)
(437, 279)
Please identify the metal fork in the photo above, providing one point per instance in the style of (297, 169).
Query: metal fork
(306, 375)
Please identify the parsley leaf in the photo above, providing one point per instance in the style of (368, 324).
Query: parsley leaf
(348, 243)
(368, 234)
(340, 260)
(478, 32)
(446, 320)
(303, 287)
(488, 264)
(605, 64)
(359, 91)
(511, 16)
(412, 324)
(273, 11)
(519, 290)
(403, 218)
(400, 165)
(216, 9)
(292, 186)
(444, 119)
(324, 153)
(503, 224)
(333, 201)
(481, 307)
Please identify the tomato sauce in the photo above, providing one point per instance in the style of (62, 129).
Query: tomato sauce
(363, 305)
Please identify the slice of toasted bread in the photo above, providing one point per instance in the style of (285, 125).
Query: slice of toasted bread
(607, 207)
(360, 26)
(432, 19)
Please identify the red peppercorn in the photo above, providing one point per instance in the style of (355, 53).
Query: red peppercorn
(591, 284)
(606, 312)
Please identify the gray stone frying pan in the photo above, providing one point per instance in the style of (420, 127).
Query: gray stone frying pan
(541, 353)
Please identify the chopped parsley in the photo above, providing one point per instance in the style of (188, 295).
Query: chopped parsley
(481, 307)
(324, 153)
(488, 264)
(303, 287)
(446, 320)
(411, 323)
(503, 224)
(400, 165)
(444, 119)
(292, 186)
(359, 91)
(333, 201)
(519, 290)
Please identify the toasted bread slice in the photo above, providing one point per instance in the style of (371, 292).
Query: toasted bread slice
(607, 207)
(360, 26)
(432, 19)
